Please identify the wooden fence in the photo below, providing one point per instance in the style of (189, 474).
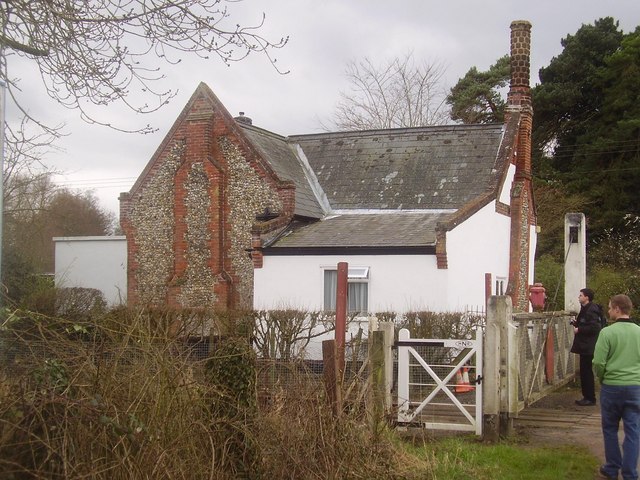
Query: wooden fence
(527, 355)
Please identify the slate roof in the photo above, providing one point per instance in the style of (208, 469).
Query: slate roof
(280, 155)
(366, 230)
(385, 188)
(438, 167)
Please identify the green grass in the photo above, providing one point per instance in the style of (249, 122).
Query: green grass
(465, 458)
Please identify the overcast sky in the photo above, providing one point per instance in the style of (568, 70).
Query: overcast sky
(323, 37)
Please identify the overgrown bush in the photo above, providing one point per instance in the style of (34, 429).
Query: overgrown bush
(77, 303)
(122, 407)
(121, 396)
(426, 324)
(286, 333)
(231, 370)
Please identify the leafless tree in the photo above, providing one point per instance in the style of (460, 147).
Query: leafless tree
(35, 208)
(26, 180)
(98, 52)
(399, 93)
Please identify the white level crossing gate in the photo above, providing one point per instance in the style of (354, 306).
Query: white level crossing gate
(431, 388)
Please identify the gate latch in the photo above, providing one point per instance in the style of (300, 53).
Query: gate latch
(478, 380)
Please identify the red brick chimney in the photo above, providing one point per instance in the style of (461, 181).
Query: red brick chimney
(522, 206)
(520, 91)
(519, 96)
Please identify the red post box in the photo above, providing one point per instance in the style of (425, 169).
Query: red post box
(537, 297)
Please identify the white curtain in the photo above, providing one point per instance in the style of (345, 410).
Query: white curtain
(357, 293)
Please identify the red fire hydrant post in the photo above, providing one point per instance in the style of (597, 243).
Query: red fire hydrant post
(537, 297)
(341, 314)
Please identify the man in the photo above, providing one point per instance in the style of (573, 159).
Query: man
(616, 361)
(586, 327)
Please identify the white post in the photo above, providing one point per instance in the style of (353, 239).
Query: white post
(495, 388)
(388, 329)
(403, 376)
(479, 372)
(512, 364)
(575, 252)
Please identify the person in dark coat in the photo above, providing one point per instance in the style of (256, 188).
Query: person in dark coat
(586, 328)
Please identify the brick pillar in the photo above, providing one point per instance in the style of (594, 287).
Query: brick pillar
(441, 249)
(256, 250)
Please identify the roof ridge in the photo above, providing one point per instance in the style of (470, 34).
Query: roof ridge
(397, 131)
(257, 129)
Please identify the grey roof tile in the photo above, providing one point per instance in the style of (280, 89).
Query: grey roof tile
(366, 230)
(439, 167)
(280, 155)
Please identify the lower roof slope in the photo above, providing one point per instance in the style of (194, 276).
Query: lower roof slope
(397, 229)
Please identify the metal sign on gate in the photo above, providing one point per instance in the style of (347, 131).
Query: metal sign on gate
(440, 382)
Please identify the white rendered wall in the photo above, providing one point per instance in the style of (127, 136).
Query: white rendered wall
(505, 192)
(93, 262)
(397, 283)
(533, 244)
(477, 246)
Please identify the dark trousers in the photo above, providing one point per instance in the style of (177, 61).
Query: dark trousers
(586, 378)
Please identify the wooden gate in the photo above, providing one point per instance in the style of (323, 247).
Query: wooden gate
(440, 382)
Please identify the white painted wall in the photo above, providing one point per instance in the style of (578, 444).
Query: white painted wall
(477, 246)
(397, 283)
(505, 191)
(93, 262)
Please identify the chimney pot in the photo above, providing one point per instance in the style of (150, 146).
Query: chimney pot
(243, 119)
(520, 90)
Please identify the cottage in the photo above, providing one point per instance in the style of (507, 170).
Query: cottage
(229, 215)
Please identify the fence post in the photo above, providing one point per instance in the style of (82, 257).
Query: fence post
(378, 383)
(330, 372)
(341, 314)
(496, 397)
(508, 368)
(389, 330)
(403, 376)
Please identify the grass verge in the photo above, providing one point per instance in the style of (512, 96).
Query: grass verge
(466, 458)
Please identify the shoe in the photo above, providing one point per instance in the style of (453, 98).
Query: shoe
(585, 403)
(604, 474)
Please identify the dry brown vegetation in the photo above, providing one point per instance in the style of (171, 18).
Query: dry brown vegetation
(116, 397)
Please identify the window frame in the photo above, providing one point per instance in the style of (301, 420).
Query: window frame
(356, 275)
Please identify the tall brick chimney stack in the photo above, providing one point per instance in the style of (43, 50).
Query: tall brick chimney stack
(522, 208)
(520, 91)
(519, 96)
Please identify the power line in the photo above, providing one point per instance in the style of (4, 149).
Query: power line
(115, 182)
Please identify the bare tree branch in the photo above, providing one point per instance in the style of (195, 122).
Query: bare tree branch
(397, 94)
(95, 53)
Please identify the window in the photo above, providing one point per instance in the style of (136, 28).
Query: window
(357, 289)
(501, 284)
